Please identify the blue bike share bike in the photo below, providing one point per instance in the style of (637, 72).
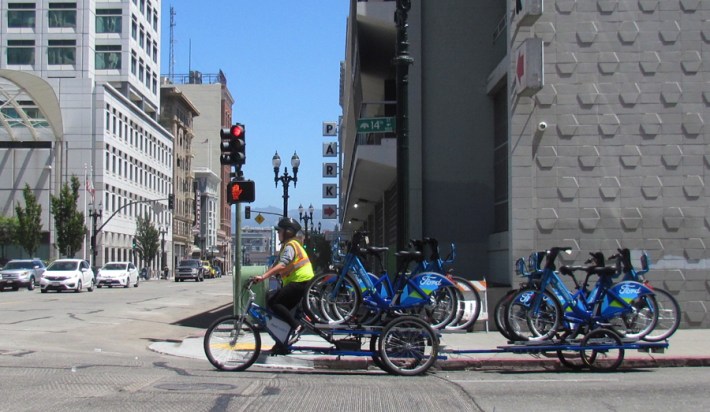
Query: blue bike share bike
(405, 345)
(352, 295)
(627, 308)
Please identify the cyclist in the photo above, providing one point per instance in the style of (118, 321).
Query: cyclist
(296, 272)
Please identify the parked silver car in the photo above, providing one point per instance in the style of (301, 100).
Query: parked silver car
(68, 274)
(24, 273)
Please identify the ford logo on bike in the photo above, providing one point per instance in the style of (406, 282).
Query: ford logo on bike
(430, 281)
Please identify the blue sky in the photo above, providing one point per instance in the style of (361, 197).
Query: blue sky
(282, 62)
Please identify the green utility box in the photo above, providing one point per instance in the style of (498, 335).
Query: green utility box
(260, 289)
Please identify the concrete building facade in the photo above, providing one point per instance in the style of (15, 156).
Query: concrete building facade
(608, 151)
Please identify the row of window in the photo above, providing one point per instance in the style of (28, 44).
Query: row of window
(59, 52)
(144, 40)
(151, 13)
(115, 199)
(134, 135)
(125, 166)
(24, 15)
(144, 74)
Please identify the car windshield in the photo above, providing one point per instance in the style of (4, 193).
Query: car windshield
(114, 266)
(63, 266)
(19, 265)
(190, 263)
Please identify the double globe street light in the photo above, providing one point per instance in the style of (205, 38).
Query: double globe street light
(285, 178)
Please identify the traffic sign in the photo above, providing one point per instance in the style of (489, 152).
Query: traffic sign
(376, 125)
(330, 211)
(259, 219)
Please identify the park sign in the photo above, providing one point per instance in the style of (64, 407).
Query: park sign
(376, 125)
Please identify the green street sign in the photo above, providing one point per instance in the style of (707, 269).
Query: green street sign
(376, 125)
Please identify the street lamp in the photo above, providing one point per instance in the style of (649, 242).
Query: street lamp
(285, 178)
(94, 213)
(306, 217)
(49, 212)
(163, 264)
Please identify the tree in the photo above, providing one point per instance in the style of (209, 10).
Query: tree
(8, 233)
(147, 239)
(68, 221)
(29, 218)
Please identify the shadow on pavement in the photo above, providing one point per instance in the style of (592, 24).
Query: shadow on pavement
(204, 320)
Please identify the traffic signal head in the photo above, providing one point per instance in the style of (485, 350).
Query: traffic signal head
(247, 212)
(134, 243)
(171, 201)
(232, 145)
(241, 191)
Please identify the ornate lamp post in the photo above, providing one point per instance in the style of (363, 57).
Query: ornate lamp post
(305, 218)
(285, 178)
(163, 230)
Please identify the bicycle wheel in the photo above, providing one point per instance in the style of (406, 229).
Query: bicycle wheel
(408, 346)
(639, 321)
(341, 305)
(499, 313)
(229, 349)
(668, 317)
(608, 356)
(469, 306)
(442, 306)
(524, 323)
(311, 302)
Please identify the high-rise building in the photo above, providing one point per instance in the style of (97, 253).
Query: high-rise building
(79, 84)
(578, 124)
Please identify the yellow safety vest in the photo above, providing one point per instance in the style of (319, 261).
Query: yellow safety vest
(300, 268)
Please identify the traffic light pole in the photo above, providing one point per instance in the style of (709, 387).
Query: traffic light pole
(237, 264)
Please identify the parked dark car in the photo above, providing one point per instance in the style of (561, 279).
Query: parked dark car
(190, 269)
(24, 273)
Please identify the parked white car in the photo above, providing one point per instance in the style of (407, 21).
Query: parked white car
(67, 274)
(117, 274)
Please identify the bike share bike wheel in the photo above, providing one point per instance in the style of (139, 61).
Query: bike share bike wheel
(311, 301)
(640, 321)
(608, 356)
(343, 305)
(232, 343)
(668, 317)
(523, 323)
(408, 346)
(442, 307)
(469, 306)
(500, 310)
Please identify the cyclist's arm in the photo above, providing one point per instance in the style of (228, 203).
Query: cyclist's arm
(284, 259)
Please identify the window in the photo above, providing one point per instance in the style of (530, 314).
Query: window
(134, 29)
(134, 63)
(62, 15)
(21, 52)
(108, 57)
(61, 52)
(108, 21)
(21, 15)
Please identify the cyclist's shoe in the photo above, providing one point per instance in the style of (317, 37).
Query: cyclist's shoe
(295, 335)
(279, 349)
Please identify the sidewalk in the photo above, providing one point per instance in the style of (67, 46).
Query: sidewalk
(687, 347)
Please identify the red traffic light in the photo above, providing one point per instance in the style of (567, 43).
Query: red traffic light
(237, 131)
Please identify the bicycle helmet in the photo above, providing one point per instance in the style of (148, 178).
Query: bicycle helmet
(288, 224)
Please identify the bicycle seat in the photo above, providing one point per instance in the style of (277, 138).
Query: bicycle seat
(410, 255)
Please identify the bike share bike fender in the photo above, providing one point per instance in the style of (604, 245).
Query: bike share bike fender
(427, 282)
(628, 291)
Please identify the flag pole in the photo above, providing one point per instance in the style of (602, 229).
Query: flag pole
(86, 195)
